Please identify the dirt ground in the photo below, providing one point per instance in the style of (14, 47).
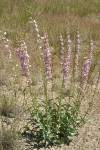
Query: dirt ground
(89, 134)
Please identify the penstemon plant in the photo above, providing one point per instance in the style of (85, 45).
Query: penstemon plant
(56, 119)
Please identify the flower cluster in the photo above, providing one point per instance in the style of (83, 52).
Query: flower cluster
(34, 23)
(36, 28)
(85, 73)
(7, 42)
(87, 65)
(67, 61)
(47, 57)
(39, 37)
(62, 49)
(24, 59)
(77, 52)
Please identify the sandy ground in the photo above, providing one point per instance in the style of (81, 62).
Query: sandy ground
(89, 134)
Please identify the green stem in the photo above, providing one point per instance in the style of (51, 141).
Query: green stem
(59, 107)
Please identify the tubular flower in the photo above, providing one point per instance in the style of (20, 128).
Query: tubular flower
(36, 26)
(39, 37)
(87, 65)
(77, 52)
(24, 59)
(47, 57)
(62, 49)
(66, 65)
(7, 42)
(85, 73)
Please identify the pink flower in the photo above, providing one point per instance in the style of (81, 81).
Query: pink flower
(24, 59)
(66, 65)
(62, 49)
(77, 52)
(47, 57)
(86, 66)
(85, 73)
(24, 64)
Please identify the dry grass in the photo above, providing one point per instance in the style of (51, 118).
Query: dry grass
(7, 139)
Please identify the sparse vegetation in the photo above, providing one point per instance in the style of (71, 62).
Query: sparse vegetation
(8, 138)
(49, 69)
